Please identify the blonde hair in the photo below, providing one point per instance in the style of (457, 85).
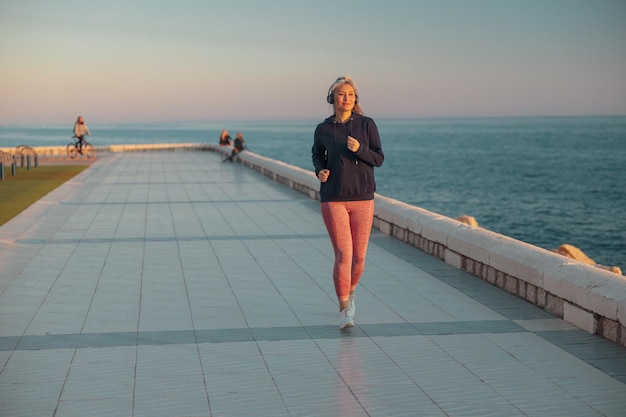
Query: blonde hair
(345, 80)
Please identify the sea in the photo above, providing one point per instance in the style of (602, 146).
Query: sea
(542, 180)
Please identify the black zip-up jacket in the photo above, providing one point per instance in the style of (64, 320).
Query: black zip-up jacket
(351, 173)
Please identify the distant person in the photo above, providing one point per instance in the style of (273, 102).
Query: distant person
(346, 148)
(225, 138)
(237, 148)
(80, 130)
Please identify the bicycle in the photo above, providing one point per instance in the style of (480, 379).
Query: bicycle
(73, 149)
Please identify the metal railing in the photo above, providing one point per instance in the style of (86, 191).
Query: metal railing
(25, 155)
(7, 159)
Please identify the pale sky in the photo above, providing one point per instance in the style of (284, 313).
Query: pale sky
(202, 60)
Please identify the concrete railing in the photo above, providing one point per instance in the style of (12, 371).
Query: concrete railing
(589, 297)
(59, 152)
(44, 152)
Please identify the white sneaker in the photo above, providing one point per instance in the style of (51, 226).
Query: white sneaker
(351, 307)
(345, 320)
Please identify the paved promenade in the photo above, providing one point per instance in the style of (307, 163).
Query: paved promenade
(172, 284)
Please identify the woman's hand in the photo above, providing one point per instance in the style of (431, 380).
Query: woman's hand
(353, 144)
(323, 175)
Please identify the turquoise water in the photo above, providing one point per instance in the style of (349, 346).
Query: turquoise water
(545, 181)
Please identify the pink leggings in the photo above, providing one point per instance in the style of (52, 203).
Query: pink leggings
(349, 224)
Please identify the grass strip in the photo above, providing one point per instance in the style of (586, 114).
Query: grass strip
(20, 191)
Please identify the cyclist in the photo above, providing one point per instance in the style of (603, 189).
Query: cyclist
(80, 130)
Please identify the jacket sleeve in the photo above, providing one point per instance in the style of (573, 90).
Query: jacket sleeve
(371, 152)
(318, 152)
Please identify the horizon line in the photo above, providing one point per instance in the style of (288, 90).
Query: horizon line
(295, 119)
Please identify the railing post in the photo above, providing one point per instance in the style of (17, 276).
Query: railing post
(1, 171)
(28, 162)
(13, 168)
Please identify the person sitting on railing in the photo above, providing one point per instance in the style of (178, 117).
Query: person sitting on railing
(224, 138)
(237, 147)
(80, 130)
